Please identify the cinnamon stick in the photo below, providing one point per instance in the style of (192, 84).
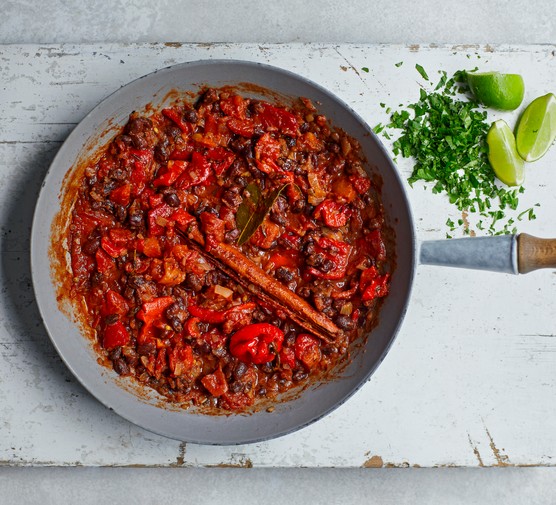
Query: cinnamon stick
(247, 273)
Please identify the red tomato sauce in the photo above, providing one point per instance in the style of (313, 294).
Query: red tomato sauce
(165, 315)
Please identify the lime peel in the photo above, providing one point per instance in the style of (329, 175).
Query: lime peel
(497, 90)
(503, 156)
(536, 130)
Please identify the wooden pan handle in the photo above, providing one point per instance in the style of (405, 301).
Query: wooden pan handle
(534, 253)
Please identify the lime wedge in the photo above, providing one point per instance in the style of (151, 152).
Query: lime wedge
(500, 91)
(502, 154)
(536, 129)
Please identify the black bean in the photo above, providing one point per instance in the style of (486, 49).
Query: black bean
(176, 325)
(92, 244)
(146, 349)
(284, 274)
(345, 322)
(240, 370)
(304, 128)
(231, 197)
(120, 366)
(194, 282)
(138, 124)
(299, 376)
(326, 266)
(136, 219)
(172, 199)
(304, 291)
(120, 212)
(111, 319)
(161, 151)
(290, 141)
(115, 353)
(231, 236)
(190, 115)
(236, 387)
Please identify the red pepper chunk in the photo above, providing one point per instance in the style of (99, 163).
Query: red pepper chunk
(206, 315)
(138, 179)
(245, 128)
(115, 335)
(105, 263)
(335, 251)
(173, 171)
(287, 357)
(215, 383)
(180, 359)
(177, 118)
(307, 350)
(121, 195)
(150, 247)
(267, 151)
(220, 159)
(361, 184)
(275, 118)
(197, 172)
(153, 310)
(332, 213)
(115, 303)
(158, 218)
(372, 284)
(112, 248)
(257, 343)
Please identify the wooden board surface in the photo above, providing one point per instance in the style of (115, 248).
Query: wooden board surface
(471, 378)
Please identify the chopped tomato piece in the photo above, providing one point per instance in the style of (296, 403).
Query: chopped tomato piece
(213, 227)
(372, 284)
(177, 117)
(112, 248)
(267, 151)
(215, 383)
(278, 119)
(158, 219)
(153, 310)
(121, 195)
(104, 261)
(245, 127)
(182, 218)
(335, 251)
(287, 357)
(234, 106)
(307, 350)
(173, 171)
(180, 359)
(361, 184)
(115, 303)
(115, 335)
(150, 247)
(198, 172)
(332, 213)
(220, 159)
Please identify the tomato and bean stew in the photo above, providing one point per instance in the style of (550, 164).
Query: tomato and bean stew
(228, 249)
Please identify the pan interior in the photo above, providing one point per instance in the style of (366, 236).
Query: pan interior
(104, 384)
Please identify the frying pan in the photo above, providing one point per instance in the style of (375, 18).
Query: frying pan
(507, 254)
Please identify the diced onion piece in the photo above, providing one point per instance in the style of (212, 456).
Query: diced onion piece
(222, 291)
(317, 193)
(346, 309)
(161, 221)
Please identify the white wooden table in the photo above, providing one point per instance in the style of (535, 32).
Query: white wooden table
(471, 378)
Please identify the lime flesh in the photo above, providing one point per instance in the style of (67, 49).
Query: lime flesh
(503, 156)
(500, 91)
(536, 129)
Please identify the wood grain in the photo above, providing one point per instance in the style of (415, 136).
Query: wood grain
(534, 253)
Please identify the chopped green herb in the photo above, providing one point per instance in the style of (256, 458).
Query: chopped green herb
(446, 136)
(421, 70)
(365, 69)
(399, 64)
(378, 128)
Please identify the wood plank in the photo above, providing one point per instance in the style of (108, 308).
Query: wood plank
(470, 379)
